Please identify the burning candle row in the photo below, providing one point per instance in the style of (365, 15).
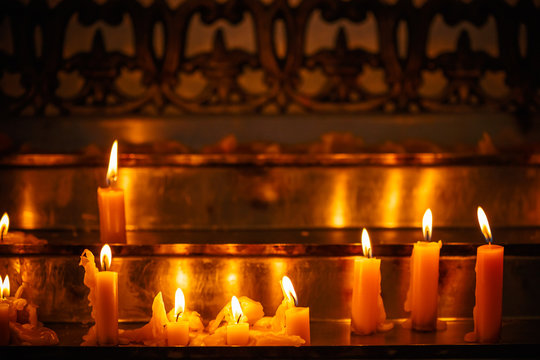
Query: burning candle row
(288, 326)
(368, 314)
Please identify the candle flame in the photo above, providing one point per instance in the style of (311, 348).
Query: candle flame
(427, 222)
(179, 303)
(4, 287)
(288, 290)
(236, 309)
(105, 257)
(484, 224)
(112, 171)
(366, 244)
(4, 225)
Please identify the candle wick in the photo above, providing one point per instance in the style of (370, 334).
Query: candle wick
(178, 315)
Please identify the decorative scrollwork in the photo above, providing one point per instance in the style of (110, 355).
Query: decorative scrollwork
(38, 63)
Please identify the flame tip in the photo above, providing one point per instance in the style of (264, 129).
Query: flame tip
(427, 224)
(366, 244)
(236, 309)
(288, 289)
(105, 257)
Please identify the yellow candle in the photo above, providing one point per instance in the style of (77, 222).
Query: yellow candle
(489, 285)
(4, 312)
(237, 333)
(296, 318)
(366, 291)
(106, 301)
(424, 285)
(178, 331)
(112, 219)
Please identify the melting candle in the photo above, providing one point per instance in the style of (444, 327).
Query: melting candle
(112, 219)
(4, 311)
(178, 330)
(424, 286)
(365, 314)
(487, 312)
(106, 300)
(237, 332)
(296, 318)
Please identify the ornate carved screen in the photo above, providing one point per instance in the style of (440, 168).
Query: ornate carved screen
(253, 56)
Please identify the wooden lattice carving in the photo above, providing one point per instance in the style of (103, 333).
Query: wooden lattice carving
(222, 66)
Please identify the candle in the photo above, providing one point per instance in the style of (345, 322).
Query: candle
(296, 318)
(178, 331)
(424, 286)
(4, 311)
(489, 284)
(112, 220)
(106, 301)
(366, 291)
(237, 333)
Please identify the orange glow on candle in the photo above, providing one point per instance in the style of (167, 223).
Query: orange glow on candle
(4, 225)
(427, 222)
(112, 171)
(105, 257)
(484, 224)
(179, 303)
(4, 287)
(288, 290)
(236, 309)
(366, 244)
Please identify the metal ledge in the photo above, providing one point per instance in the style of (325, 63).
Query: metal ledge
(329, 340)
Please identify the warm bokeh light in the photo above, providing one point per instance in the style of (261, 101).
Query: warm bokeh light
(179, 302)
(288, 290)
(4, 225)
(4, 287)
(236, 309)
(105, 257)
(427, 222)
(112, 171)
(366, 244)
(484, 224)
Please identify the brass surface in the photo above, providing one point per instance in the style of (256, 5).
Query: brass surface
(247, 197)
(322, 275)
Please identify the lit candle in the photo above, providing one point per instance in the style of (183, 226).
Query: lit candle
(237, 333)
(424, 286)
(106, 301)
(489, 284)
(296, 318)
(366, 291)
(112, 220)
(4, 226)
(178, 330)
(4, 311)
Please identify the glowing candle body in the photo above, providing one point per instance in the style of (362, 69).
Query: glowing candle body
(489, 285)
(297, 323)
(178, 333)
(4, 323)
(112, 219)
(107, 308)
(365, 298)
(238, 334)
(424, 285)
